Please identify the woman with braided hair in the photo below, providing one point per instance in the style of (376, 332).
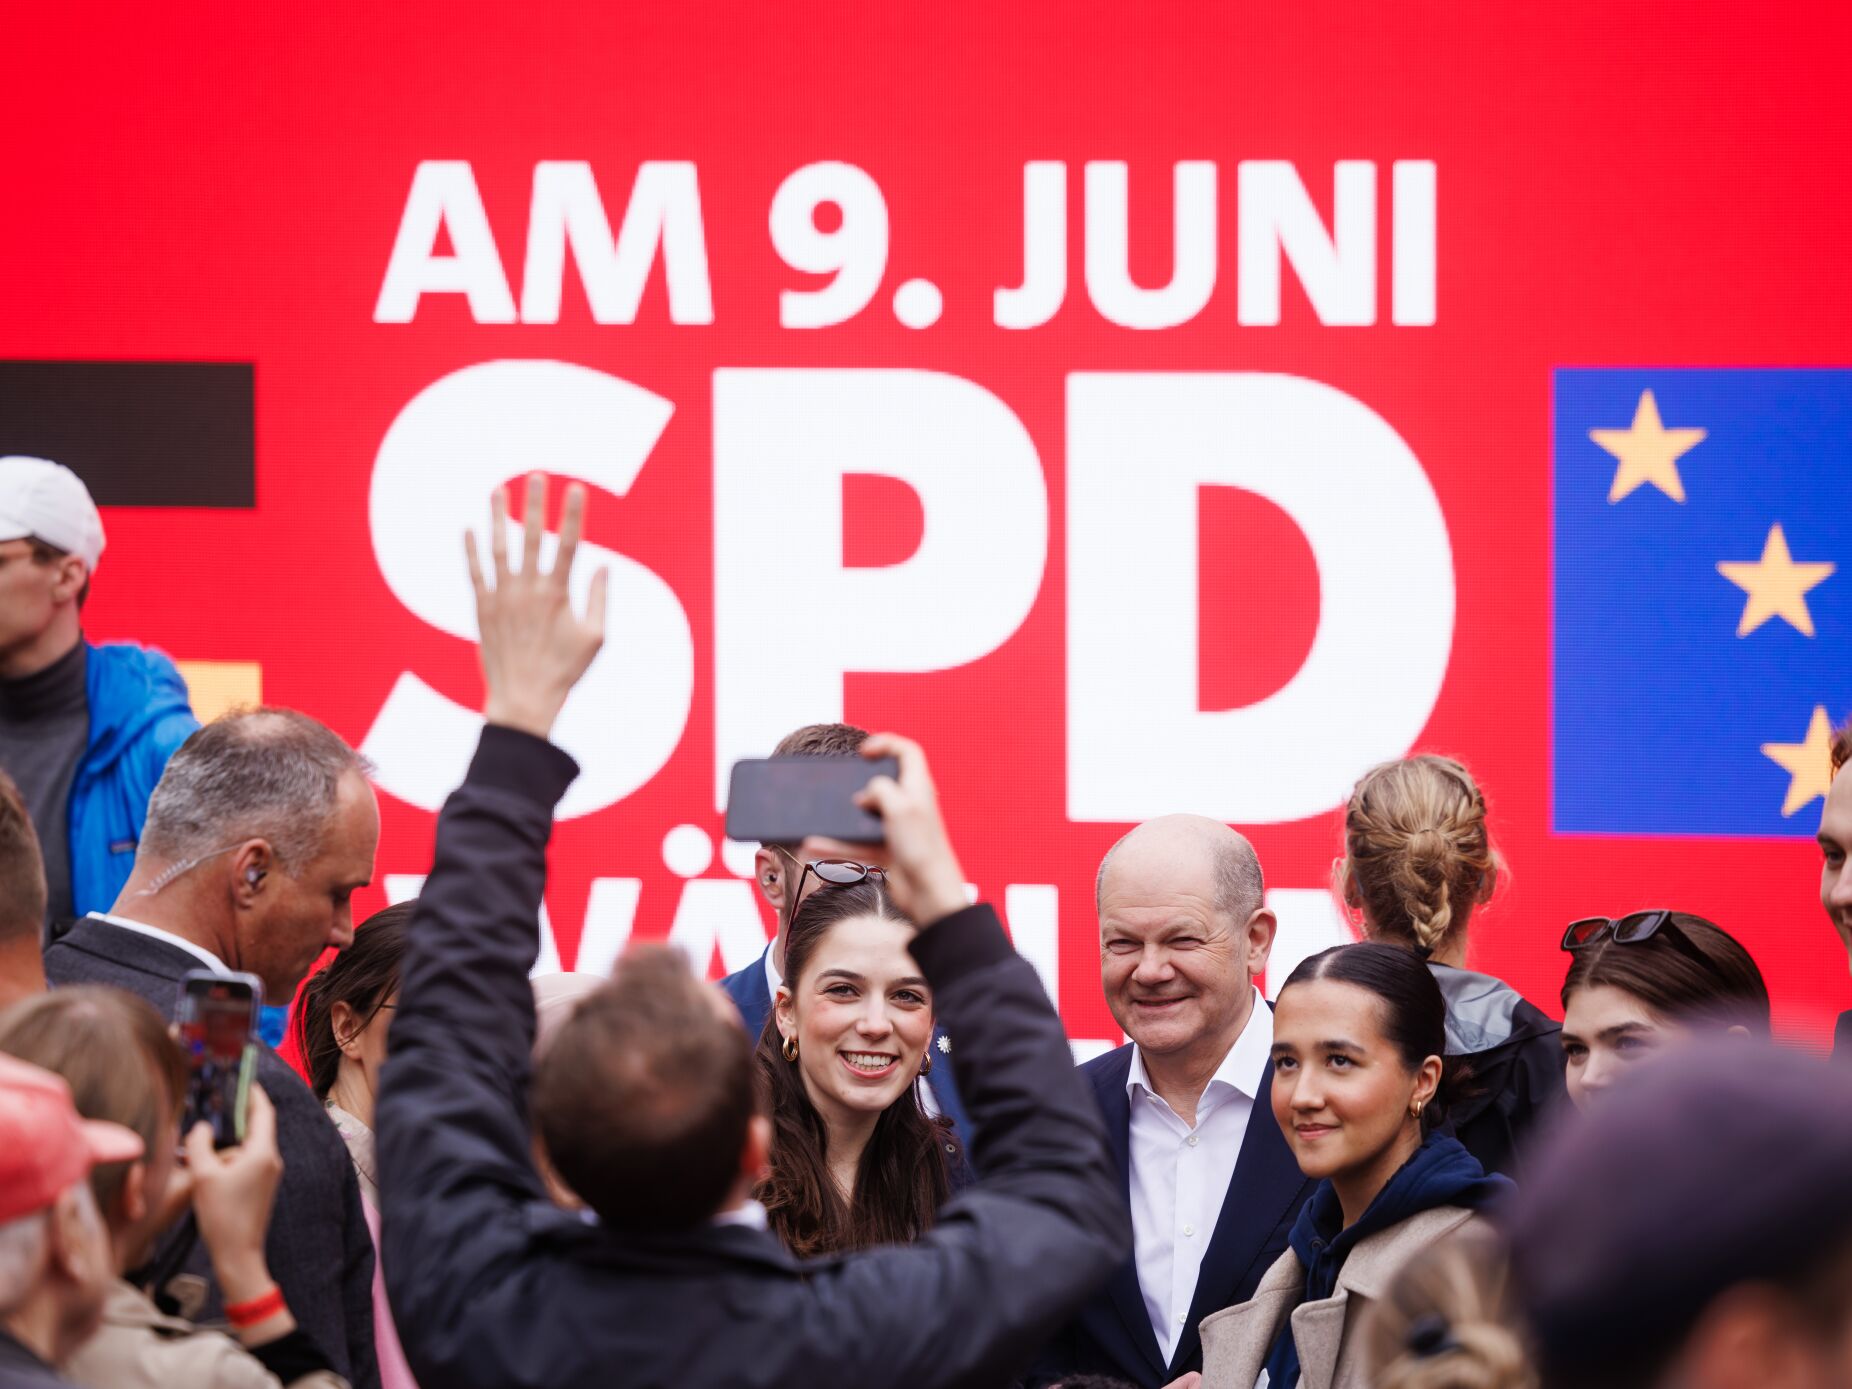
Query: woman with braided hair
(1418, 861)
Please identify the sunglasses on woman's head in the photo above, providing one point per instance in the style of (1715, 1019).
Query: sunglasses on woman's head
(1625, 930)
(837, 872)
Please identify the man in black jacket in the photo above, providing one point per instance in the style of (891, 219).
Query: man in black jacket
(493, 1286)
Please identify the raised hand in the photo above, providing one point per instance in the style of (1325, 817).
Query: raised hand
(534, 646)
(923, 876)
(233, 1193)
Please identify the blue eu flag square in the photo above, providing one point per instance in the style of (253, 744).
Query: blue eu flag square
(1702, 553)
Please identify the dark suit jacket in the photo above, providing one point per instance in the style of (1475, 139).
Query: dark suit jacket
(1112, 1336)
(493, 1287)
(319, 1249)
(753, 997)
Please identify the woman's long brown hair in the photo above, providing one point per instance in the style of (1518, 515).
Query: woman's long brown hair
(905, 1171)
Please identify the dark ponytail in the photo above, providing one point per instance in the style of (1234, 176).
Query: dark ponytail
(1414, 1014)
(363, 977)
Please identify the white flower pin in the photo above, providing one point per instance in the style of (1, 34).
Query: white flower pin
(944, 1044)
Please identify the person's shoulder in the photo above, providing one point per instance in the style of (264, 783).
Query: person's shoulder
(141, 690)
(751, 993)
(303, 1127)
(95, 951)
(736, 982)
(1108, 1071)
(1377, 1257)
(139, 1348)
(127, 664)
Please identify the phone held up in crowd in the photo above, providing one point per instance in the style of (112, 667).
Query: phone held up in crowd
(783, 800)
(217, 1024)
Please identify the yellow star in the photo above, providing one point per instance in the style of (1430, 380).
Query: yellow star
(1648, 451)
(1776, 585)
(1809, 764)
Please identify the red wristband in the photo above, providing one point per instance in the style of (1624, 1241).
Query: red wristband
(258, 1309)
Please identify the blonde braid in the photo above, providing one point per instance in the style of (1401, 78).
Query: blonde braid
(1419, 856)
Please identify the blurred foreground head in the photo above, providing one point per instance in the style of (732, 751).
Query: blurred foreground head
(1696, 1231)
(644, 1097)
(1447, 1321)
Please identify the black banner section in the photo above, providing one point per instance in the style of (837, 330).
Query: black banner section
(138, 433)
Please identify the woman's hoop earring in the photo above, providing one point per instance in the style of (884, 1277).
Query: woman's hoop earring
(790, 1048)
(926, 1063)
(1414, 1110)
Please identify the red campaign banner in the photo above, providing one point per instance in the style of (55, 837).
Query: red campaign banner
(1147, 411)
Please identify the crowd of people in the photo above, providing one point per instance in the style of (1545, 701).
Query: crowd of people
(1399, 1173)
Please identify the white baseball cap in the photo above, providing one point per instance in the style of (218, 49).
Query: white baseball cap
(45, 500)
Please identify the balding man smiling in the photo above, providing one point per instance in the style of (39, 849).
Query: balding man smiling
(1211, 1186)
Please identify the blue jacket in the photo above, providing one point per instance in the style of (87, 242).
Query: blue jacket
(752, 995)
(1112, 1335)
(139, 715)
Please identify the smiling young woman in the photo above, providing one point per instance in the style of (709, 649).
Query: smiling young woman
(1359, 1084)
(856, 1159)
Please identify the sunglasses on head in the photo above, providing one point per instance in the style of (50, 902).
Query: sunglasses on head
(1625, 930)
(1629, 930)
(837, 872)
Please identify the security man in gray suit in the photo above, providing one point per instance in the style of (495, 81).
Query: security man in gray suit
(258, 833)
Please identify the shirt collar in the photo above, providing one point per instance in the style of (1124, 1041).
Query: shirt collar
(1242, 1069)
(748, 1213)
(773, 979)
(142, 928)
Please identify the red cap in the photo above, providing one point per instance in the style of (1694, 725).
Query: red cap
(45, 1147)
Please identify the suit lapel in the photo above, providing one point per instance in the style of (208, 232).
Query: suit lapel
(945, 1085)
(1262, 1193)
(1128, 1298)
(1241, 1337)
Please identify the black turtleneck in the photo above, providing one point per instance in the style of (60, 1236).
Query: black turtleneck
(44, 728)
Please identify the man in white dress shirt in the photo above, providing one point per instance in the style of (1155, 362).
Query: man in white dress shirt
(1211, 1185)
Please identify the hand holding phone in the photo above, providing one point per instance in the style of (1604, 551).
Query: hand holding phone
(924, 878)
(234, 1192)
(216, 1024)
(785, 800)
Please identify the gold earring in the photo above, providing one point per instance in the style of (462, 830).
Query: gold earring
(790, 1047)
(1414, 1110)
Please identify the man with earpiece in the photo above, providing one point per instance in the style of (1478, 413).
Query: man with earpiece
(260, 830)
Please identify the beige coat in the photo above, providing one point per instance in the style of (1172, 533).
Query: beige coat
(140, 1347)
(1236, 1339)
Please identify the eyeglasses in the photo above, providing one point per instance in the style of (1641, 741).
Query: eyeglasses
(836, 872)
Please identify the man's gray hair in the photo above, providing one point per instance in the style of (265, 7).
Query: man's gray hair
(270, 774)
(1240, 887)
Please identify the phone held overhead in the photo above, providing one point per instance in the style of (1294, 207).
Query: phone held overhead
(784, 800)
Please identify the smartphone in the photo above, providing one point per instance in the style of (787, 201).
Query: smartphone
(217, 1022)
(780, 800)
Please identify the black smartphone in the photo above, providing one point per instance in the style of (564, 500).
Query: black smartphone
(217, 1022)
(780, 800)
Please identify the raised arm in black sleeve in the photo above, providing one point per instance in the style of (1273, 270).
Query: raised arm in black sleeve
(493, 1287)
